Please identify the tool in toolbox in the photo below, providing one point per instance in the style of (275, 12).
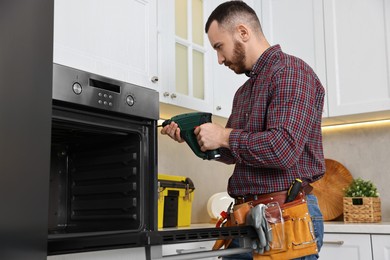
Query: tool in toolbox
(294, 190)
(187, 123)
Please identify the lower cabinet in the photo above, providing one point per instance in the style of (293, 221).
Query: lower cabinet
(346, 246)
(137, 253)
(184, 248)
(381, 247)
(355, 246)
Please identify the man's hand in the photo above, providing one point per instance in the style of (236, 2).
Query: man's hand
(212, 136)
(173, 131)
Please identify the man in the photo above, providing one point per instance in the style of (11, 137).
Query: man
(273, 134)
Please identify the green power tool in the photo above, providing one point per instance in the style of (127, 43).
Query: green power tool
(187, 123)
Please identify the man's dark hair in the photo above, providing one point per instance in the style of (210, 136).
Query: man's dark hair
(228, 13)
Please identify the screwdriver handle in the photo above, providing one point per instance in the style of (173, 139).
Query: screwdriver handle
(293, 190)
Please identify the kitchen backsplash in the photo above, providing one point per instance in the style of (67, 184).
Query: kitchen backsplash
(363, 149)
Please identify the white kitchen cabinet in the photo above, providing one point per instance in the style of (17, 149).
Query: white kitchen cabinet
(381, 247)
(180, 82)
(114, 39)
(347, 44)
(225, 82)
(183, 248)
(357, 39)
(117, 254)
(183, 64)
(346, 246)
(298, 27)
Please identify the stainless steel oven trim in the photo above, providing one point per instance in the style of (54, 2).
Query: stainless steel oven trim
(73, 85)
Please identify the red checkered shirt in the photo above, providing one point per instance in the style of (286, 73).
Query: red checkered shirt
(276, 122)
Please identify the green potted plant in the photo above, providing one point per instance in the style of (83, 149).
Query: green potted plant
(361, 202)
(361, 188)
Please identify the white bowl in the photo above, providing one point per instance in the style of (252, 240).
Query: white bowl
(217, 203)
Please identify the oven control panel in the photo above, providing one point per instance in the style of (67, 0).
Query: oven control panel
(84, 88)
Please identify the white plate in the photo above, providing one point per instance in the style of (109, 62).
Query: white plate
(217, 203)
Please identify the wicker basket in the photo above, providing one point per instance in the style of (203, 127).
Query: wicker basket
(362, 209)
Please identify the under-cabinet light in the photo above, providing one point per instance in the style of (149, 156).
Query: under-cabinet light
(359, 124)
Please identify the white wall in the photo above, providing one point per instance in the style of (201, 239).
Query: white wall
(209, 177)
(364, 149)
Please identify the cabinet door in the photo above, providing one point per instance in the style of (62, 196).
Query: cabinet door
(298, 27)
(346, 246)
(357, 55)
(224, 81)
(381, 247)
(185, 248)
(114, 39)
(184, 74)
(225, 85)
(116, 254)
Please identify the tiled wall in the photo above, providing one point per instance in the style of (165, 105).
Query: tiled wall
(363, 149)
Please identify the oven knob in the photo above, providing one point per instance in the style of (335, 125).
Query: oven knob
(77, 89)
(130, 100)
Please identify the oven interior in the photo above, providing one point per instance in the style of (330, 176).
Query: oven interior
(96, 179)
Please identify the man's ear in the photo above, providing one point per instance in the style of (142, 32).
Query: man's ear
(243, 32)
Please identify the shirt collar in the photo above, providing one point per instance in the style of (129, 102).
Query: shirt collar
(264, 58)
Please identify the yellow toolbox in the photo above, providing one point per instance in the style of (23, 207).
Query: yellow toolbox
(175, 195)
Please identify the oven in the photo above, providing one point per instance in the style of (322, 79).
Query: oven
(103, 173)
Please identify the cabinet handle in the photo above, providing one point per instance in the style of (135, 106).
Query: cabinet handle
(194, 250)
(339, 243)
(154, 79)
(166, 94)
(173, 95)
(218, 108)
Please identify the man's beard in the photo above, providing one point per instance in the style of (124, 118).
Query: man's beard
(237, 64)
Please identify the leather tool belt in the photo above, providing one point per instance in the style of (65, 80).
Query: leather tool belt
(293, 235)
(279, 196)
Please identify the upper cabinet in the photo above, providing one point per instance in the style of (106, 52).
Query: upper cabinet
(183, 67)
(357, 38)
(225, 82)
(298, 27)
(189, 73)
(346, 42)
(162, 45)
(114, 39)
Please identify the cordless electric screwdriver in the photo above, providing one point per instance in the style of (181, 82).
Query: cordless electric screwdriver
(187, 123)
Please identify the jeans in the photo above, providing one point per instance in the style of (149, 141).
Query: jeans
(318, 223)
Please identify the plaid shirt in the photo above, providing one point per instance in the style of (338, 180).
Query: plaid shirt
(276, 121)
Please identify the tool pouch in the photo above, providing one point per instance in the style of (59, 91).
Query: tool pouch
(297, 232)
(293, 232)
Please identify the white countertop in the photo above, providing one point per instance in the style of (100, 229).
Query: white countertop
(331, 227)
(362, 228)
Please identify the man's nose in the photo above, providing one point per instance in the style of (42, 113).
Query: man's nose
(221, 59)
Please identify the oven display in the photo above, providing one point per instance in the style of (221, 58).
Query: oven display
(104, 85)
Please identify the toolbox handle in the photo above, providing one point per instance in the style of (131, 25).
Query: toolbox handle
(187, 183)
